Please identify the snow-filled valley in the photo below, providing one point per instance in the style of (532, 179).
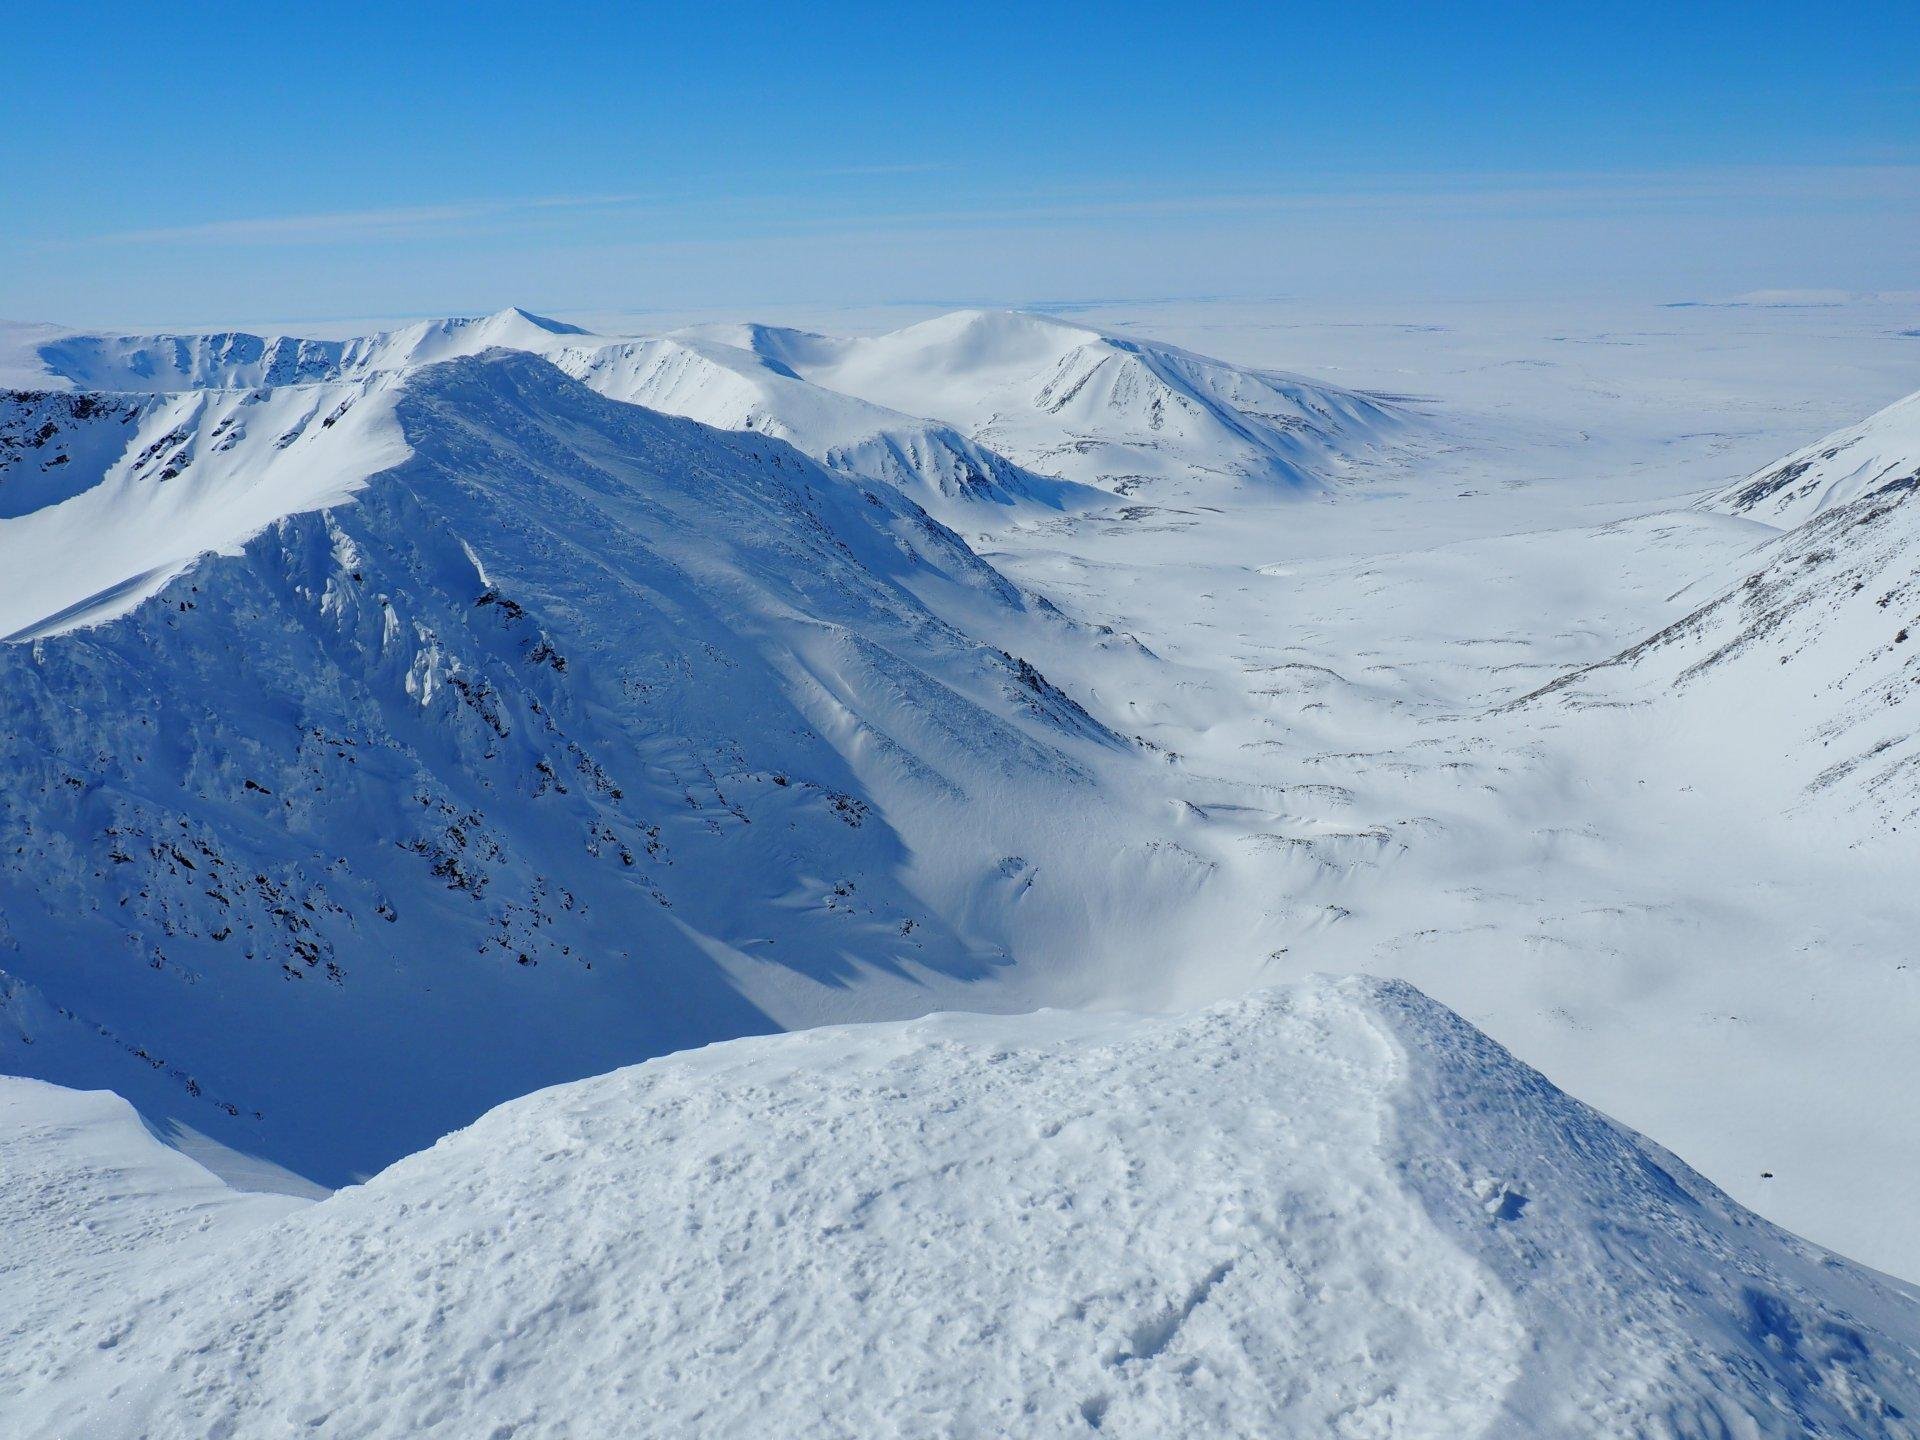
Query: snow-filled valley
(396, 725)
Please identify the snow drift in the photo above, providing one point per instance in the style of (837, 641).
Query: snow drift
(1333, 1209)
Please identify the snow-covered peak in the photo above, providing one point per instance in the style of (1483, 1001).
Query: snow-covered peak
(465, 712)
(1332, 1209)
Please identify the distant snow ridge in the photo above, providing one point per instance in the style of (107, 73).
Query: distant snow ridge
(383, 748)
(1333, 1209)
(241, 361)
(1848, 465)
(992, 408)
(1066, 400)
(106, 496)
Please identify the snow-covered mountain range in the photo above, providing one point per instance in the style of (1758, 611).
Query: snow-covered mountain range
(394, 726)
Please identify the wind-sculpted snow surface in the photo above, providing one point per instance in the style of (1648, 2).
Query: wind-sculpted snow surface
(493, 776)
(1069, 401)
(1333, 1209)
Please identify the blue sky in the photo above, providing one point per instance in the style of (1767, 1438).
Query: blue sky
(176, 164)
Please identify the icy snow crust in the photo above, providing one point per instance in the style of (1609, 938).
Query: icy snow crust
(1332, 1209)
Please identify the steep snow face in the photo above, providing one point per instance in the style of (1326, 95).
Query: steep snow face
(1807, 669)
(737, 389)
(577, 736)
(1332, 1209)
(1100, 409)
(1881, 451)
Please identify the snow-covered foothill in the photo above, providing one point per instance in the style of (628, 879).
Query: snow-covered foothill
(1806, 668)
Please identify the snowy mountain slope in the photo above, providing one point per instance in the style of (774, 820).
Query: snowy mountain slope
(106, 497)
(1070, 401)
(1807, 669)
(736, 389)
(1331, 1209)
(1851, 463)
(576, 730)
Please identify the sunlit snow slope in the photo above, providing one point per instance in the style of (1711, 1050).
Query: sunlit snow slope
(1332, 1209)
(738, 389)
(1807, 667)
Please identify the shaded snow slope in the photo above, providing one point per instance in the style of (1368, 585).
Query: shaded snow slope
(1331, 1209)
(1851, 463)
(1066, 400)
(578, 734)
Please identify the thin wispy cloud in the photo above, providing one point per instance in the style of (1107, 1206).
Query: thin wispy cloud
(402, 222)
(780, 212)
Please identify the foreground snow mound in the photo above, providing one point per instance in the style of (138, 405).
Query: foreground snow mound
(561, 734)
(1066, 400)
(1849, 464)
(1334, 1209)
